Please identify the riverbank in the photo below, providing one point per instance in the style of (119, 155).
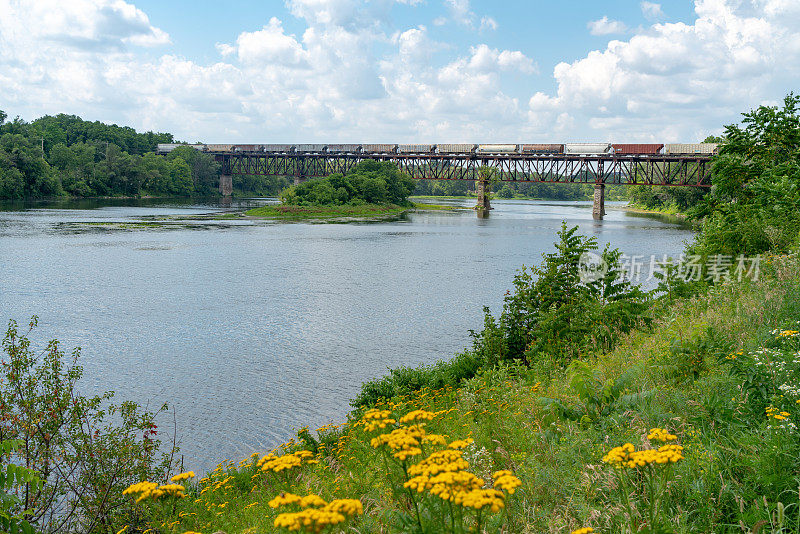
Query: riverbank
(691, 374)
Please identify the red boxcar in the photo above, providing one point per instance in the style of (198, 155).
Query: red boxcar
(637, 148)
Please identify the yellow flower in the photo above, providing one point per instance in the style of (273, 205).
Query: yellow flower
(659, 434)
(506, 481)
(183, 476)
(585, 530)
(284, 499)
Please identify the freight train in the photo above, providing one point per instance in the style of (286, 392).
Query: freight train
(624, 149)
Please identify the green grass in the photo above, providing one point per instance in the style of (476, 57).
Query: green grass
(552, 426)
(282, 211)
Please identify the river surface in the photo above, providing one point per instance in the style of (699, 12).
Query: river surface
(251, 329)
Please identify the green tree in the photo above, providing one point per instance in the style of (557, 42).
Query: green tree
(755, 201)
(85, 449)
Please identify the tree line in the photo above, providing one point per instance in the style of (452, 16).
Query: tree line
(64, 155)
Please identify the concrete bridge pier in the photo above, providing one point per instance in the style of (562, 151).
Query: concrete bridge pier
(226, 185)
(599, 208)
(300, 179)
(483, 188)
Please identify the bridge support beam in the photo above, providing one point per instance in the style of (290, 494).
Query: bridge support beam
(483, 188)
(599, 208)
(226, 185)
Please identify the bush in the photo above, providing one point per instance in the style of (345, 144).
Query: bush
(370, 182)
(85, 449)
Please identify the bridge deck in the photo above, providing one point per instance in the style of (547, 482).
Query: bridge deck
(686, 171)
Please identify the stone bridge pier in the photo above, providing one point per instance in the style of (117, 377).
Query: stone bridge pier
(226, 185)
(599, 207)
(483, 188)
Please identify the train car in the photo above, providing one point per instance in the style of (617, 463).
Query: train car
(456, 148)
(379, 149)
(543, 148)
(246, 148)
(309, 148)
(344, 149)
(587, 148)
(625, 149)
(165, 148)
(277, 148)
(496, 149)
(415, 149)
(219, 148)
(691, 149)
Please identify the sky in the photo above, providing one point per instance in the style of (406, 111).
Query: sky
(401, 71)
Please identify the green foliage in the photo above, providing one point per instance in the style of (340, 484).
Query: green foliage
(85, 449)
(555, 314)
(755, 202)
(370, 182)
(60, 155)
(12, 479)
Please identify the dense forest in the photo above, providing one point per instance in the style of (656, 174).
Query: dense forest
(64, 155)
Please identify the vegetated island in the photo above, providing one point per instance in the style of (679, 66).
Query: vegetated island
(372, 189)
(585, 405)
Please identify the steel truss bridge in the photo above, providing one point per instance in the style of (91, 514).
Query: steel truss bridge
(598, 169)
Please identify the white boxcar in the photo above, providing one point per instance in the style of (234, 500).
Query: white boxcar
(496, 149)
(456, 148)
(587, 148)
(415, 149)
(705, 149)
(379, 148)
(344, 149)
(219, 148)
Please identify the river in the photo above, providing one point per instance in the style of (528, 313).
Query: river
(250, 329)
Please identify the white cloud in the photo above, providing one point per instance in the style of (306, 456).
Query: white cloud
(488, 23)
(604, 26)
(652, 11)
(351, 75)
(678, 81)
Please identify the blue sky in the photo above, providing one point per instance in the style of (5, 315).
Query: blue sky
(401, 70)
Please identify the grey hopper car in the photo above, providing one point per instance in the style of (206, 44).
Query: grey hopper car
(219, 148)
(379, 149)
(415, 149)
(309, 148)
(344, 149)
(281, 149)
(684, 149)
(456, 148)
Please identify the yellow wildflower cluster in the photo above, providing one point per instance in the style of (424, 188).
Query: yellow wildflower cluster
(773, 413)
(417, 415)
(374, 419)
(146, 490)
(316, 514)
(788, 333)
(276, 464)
(627, 456)
(403, 441)
(506, 481)
(183, 476)
(659, 434)
(460, 443)
(443, 473)
(584, 530)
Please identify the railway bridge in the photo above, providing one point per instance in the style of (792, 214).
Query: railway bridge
(484, 169)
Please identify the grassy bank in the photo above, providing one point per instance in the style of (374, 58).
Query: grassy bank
(287, 211)
(693, 374)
